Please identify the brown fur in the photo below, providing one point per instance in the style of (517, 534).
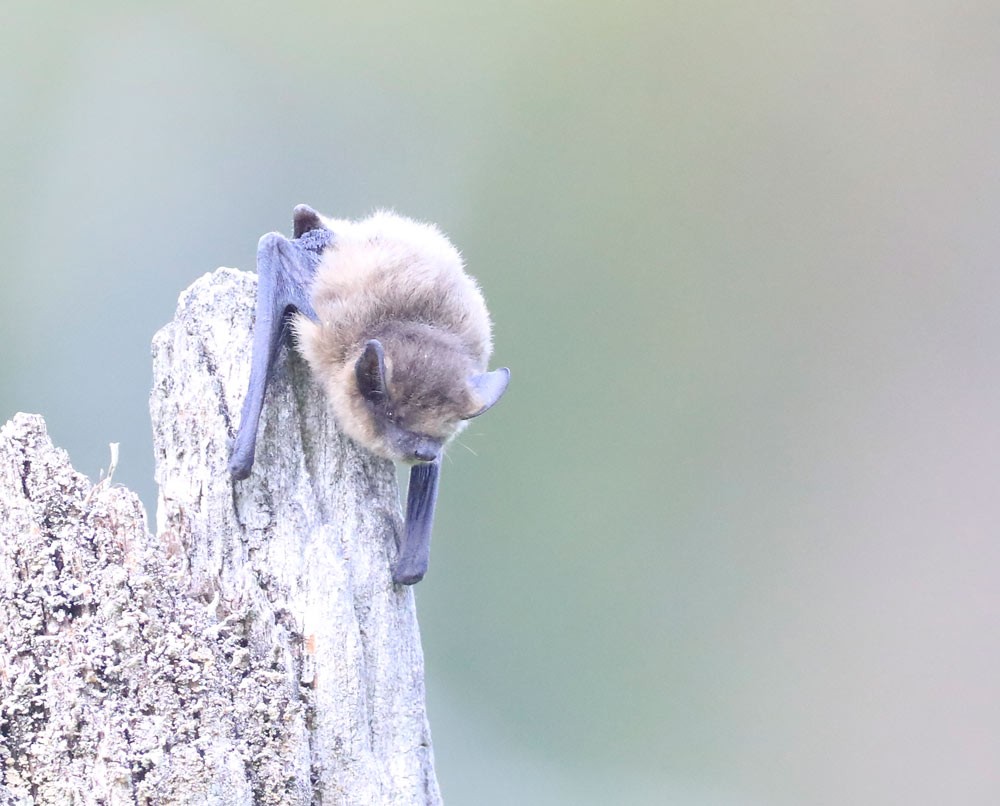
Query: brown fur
(403, 283)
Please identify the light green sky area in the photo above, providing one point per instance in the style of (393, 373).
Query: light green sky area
(731, 537)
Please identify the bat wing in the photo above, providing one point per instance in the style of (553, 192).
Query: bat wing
(415, 553)
(285, 272)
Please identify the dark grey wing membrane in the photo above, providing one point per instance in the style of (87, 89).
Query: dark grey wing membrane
(285, 272)
(415, 553)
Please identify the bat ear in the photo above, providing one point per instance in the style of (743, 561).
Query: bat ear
(370, 372)
(487, 389)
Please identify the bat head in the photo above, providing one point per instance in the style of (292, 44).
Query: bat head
(418, 389)
(400, 337)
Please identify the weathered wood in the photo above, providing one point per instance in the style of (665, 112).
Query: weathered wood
(256, 651)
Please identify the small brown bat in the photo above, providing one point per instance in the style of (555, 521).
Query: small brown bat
(398, 336)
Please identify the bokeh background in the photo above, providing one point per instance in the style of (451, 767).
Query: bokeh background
(732, 536)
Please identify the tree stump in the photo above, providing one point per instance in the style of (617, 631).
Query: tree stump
(256, 650)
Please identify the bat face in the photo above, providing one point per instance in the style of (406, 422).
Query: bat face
(397, 334)
(417, 394)
(411, 414)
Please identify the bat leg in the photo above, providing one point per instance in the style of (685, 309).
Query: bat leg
(285, 270)
(414, 556)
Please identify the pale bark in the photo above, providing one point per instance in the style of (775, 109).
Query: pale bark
(256, 650)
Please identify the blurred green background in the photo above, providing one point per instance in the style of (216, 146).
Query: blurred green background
(732, 536)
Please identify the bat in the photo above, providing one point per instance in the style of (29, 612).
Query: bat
(395, 332)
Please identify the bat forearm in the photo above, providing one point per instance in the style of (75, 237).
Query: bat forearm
(415, 553)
